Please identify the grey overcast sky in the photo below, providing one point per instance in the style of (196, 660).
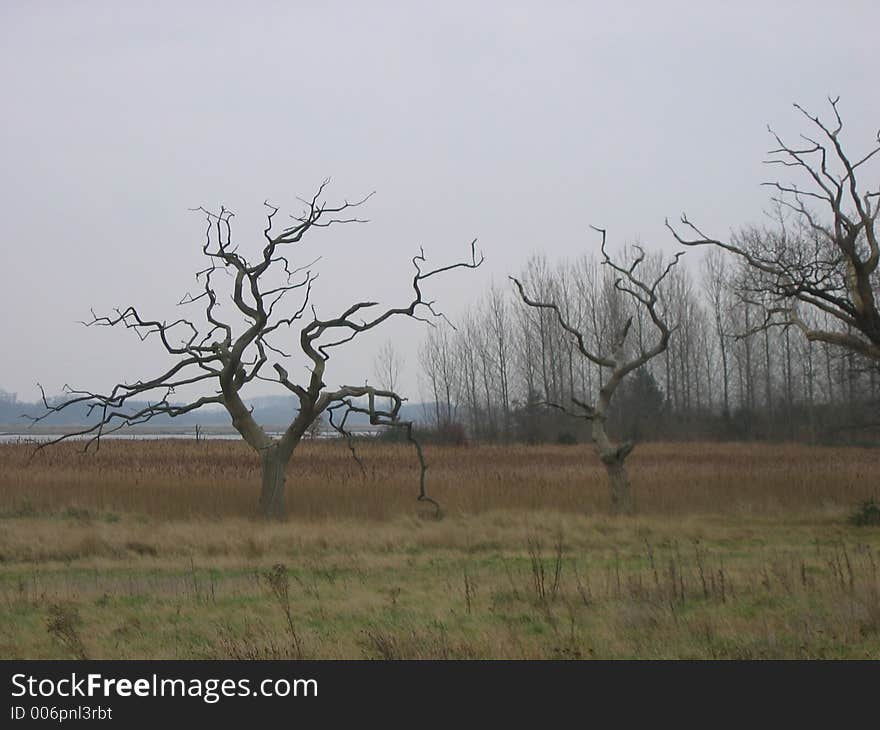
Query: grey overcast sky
(517, 123)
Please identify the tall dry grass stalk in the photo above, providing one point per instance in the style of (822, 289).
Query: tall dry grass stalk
(210, 479)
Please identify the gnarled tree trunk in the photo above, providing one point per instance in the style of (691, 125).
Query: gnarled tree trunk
(274, 464)
(614, 459)
(621, 494)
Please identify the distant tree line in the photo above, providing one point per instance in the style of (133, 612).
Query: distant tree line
(724, 374)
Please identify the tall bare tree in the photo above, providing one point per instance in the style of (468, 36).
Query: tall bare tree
(717, 291)
(438, 361)
(230, 353)
(622, 358)
(387, 366)
(499, 335)
(827, 257)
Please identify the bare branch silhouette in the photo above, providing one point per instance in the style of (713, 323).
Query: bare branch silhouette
(219, 352)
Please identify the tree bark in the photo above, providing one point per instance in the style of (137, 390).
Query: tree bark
(621, 493)
(274, 463)
(614, 459)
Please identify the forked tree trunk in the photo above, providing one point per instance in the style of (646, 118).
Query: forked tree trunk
(274, 463)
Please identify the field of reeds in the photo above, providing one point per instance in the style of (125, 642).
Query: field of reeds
(152, 549)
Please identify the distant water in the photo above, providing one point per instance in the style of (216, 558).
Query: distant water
(32, 438)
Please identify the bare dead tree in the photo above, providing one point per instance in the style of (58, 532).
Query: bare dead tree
(228, 355)
(828, 259)
(621, 359)
(387, 366)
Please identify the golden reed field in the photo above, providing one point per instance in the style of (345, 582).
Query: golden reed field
(152, 549)
(177, 479)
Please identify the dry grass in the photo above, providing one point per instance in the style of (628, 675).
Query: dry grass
(497, 585)
(175, 479)
(143, 551)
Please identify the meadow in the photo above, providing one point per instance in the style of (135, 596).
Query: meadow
(153, 549)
